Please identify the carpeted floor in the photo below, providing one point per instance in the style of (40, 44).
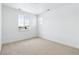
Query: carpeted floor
(37, 46)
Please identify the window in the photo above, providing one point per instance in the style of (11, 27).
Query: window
(23, 22)
(26, 21)
(20, 20)
(41, 20)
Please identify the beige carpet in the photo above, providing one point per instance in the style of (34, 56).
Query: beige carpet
(37, 46)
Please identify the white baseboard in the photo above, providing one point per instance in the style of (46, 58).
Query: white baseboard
(18, 40)
(61, 43)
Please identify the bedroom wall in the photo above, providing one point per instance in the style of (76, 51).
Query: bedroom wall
(10, 26)
(61, 25)
(0, 25)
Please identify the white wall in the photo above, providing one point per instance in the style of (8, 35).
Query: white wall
(10, 26)
(61, 25)
(0, 27)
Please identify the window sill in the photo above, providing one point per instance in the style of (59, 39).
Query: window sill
(23, 29)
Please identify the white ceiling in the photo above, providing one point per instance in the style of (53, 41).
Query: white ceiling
(35, 8)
